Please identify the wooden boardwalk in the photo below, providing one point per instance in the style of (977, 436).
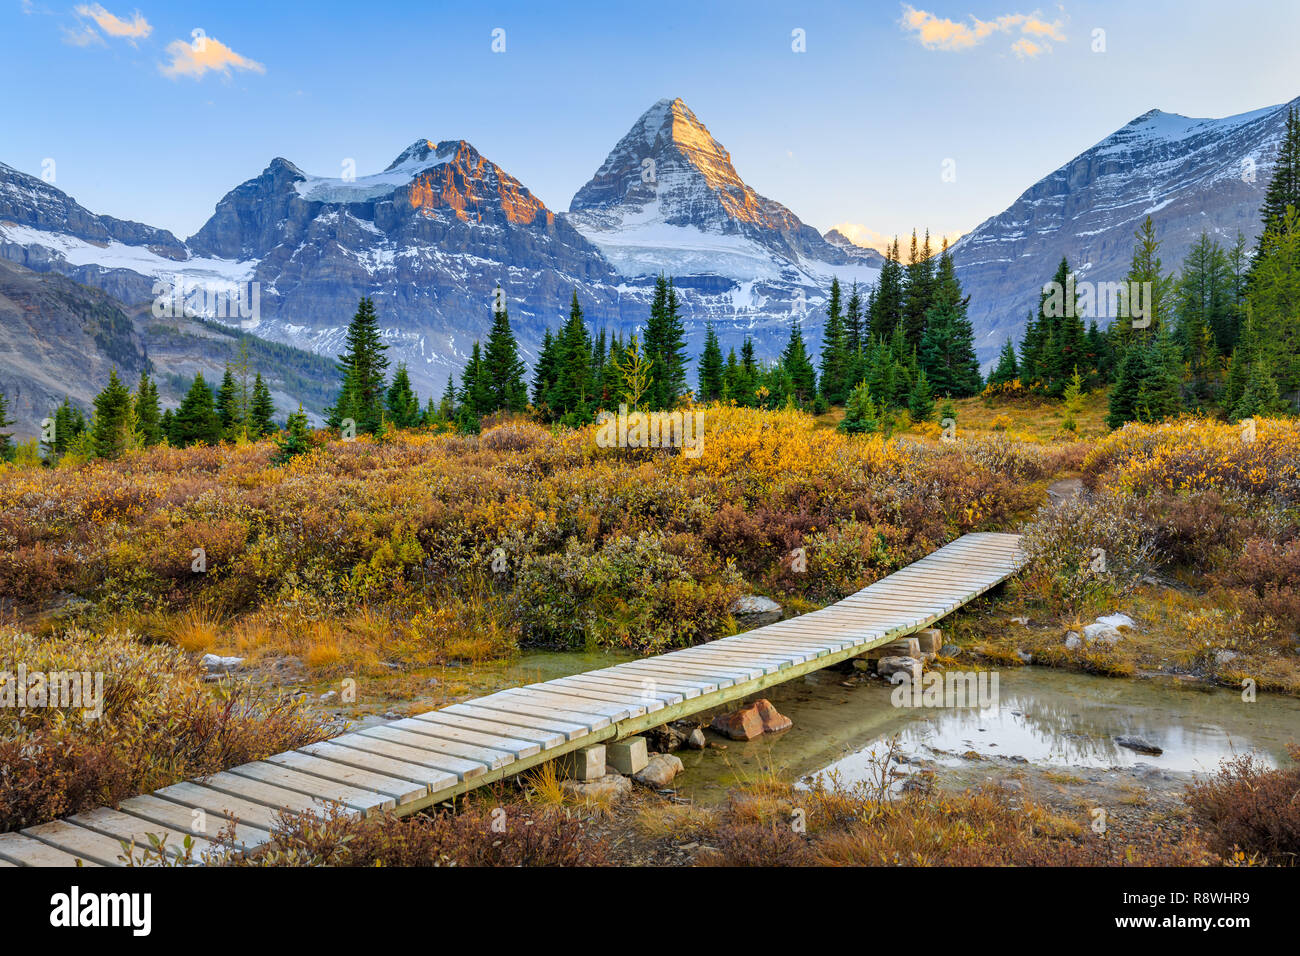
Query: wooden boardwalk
(410, 764)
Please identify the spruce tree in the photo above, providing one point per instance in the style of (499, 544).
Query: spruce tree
(571, 395)
(148, 416)
(1006, 370)
(835, 355)
(918, 291)
(711, 374)
(920, 400)
(1260, 395)
(401, 401)
(886, 309)
(363, 367)
(794, 360)
(296, 439)
(503, 369)
(112, 419)
(196, 421)
(228, 405)
(665, 346)
(262, 413)
(544, 373)
(6, 437)
(860, 412)
(1284, 188)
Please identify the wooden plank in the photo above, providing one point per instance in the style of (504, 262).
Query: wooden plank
(79, 842)
(503, 705)
(124, 826)
(514, 746)
(571, 730)
(648, 702)
(224, 806)
(575, 704)
(24, 851)
(269, 795)
(182, 821)
(463, 768)
(363, 801)
(633, 689)
(648, 670)
(435, 780)
(543, 738)
(402, 791)
(731, 672)
(407, 738)
(629, 671)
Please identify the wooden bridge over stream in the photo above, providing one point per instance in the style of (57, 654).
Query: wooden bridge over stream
(411, 764)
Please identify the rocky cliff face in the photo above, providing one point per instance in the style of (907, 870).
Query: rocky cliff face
(429, 238)
(667, 198)
(1188, 174)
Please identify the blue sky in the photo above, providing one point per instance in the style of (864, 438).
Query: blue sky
(856, 129)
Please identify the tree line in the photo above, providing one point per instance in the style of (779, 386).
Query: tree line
(1222, 336)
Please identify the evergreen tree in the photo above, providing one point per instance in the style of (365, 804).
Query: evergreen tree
(168, 426)
(860, 412)
(544, 373)
(1284, 189)
(6, 437)
(665, 346)
(262, 411)
(110, 427)
(447, 405)
(228, 405)
(571, 395)
(503, 369)
(947, 350)
(918, 291)
(711, 374)
(148, 416)
(402, 403)
(1126, 392)
(886, 306)
(296, 439)
(835, 354)
(794, 360)
(69, 423)
(196, 421)
(363, 367)
(1274, 299)
(1260, 395)
(1006, 370)
(920, 400)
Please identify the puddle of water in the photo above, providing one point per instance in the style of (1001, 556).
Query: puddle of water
(1050, 718)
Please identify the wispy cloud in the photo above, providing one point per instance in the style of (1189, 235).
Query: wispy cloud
(204, 55)
(136, 28)
(941, 33)
(83, 35)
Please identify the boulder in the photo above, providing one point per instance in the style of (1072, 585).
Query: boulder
(753, 721)
(696, 740)
(754, 604)
(1097, 631)
(659, 772)
(1073, 641)
(887, 667)
(612, 786)
(743, 724)
(773, 721)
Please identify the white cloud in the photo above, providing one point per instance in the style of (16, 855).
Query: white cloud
(863, 236)
(136, 28)
(205, 55)
(941, 33)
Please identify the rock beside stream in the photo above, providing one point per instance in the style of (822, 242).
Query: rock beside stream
(753, 721)
(659, 772)
(1140, 744)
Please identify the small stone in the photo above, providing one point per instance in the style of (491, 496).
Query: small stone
(950, 650)
(1097, 631)
(751, 605)
(215, 663)
(1073, 641)
(887, 667)
(1020, 620)
(1140, 744)
(612, 786)
(1025, 657)
(659, 772)
(329, 696)
(1222, 657)
(696, 740)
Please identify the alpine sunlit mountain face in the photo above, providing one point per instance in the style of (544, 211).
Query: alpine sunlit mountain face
(571, 436)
